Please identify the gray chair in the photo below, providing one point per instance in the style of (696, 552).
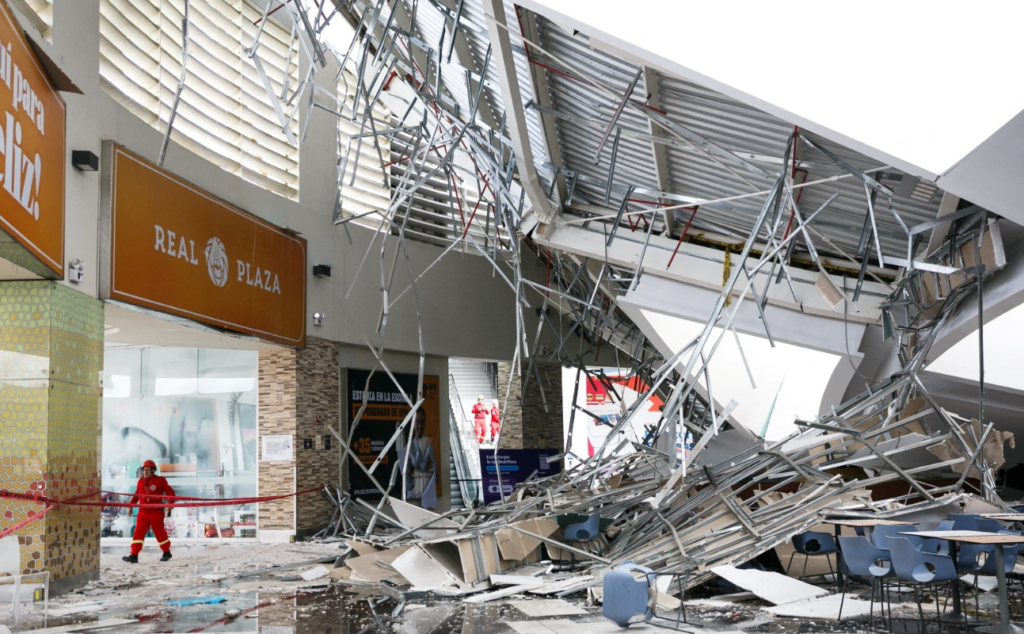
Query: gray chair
(919, 568)
(624, 596)
(867, 561)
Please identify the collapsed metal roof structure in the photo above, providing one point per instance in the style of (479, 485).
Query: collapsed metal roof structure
(497, 132)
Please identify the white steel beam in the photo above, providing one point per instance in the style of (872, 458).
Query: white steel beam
(702, 266)
(658, 149)
(542, 96)
(515, 115)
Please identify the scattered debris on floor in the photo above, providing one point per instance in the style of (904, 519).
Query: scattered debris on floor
(824, 607)
(770, 586)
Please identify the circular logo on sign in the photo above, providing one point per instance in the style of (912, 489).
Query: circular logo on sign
(217, 261)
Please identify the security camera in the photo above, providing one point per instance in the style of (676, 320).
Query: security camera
(318, 319)
(76, 271)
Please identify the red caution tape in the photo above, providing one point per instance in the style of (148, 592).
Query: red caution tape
(31, 518)
(38, 498)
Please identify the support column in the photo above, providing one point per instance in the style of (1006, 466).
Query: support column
(299, 395)
(512, 412)
(525, 424)
(51, 361)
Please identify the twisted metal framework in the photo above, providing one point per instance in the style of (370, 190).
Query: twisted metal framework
(664, 515)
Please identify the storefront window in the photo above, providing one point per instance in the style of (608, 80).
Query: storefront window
(193, 412)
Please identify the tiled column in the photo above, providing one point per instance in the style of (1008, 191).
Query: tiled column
(524, 423)
(318, 454)
(299, 395)
(276, 417)
(512, 416)
(51, 360)
(543, 429)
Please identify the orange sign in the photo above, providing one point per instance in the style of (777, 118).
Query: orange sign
(32, 149)
(177, 249)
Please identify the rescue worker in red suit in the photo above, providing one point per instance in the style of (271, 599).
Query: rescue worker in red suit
(480, 419)
(495, 420)
(152, 489)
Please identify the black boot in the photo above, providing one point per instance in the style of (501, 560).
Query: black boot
(166, 556)
(132, 559)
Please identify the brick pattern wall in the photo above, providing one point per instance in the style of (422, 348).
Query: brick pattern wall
(525, 424)
(543, 430)
(512, 416)
(277, 397)
(296, 387)
(319, 395)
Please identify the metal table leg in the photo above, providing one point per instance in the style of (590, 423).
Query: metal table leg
(957, 615)
(1004, 627)
(839, 561)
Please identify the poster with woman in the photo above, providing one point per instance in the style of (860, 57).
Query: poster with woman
(386, 408)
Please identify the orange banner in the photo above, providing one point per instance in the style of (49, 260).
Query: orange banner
(177, 249)
(32, 149)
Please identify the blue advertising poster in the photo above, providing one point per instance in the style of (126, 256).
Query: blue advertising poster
(517, 465)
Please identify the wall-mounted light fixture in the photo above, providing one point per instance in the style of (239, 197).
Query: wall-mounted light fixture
(76, 271)
(85, 160)
(322, 270)
(318, 319)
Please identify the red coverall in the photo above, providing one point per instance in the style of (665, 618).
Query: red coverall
(480, 416)
(151, 490)
(495, 422)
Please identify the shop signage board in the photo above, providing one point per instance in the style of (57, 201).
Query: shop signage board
(386, 408)
(33, 157)
(516, 466)
(599, 408)
(177, 249)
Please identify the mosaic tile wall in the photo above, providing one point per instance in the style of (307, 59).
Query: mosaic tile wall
(295, 388)
(51, 348)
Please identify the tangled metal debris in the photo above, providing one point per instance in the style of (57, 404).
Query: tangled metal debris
(459, 166)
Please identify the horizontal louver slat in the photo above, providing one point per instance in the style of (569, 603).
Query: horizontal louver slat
(225, 114)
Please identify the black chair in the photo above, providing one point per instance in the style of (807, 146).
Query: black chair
(812, 544)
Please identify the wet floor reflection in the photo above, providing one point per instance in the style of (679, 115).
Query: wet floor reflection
(350, 609)
(896, 626)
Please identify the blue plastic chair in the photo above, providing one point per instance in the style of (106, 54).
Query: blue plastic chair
(624, 596)
(881, 534)
(811, 544)
(583, 532)
(969, 557)
(939, 546)
(964, 522)
(867, 561)
(980, 559)
(989, 525)
(920, 568)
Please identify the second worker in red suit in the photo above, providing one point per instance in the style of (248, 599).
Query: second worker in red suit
(495, 421)
(152, 490)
